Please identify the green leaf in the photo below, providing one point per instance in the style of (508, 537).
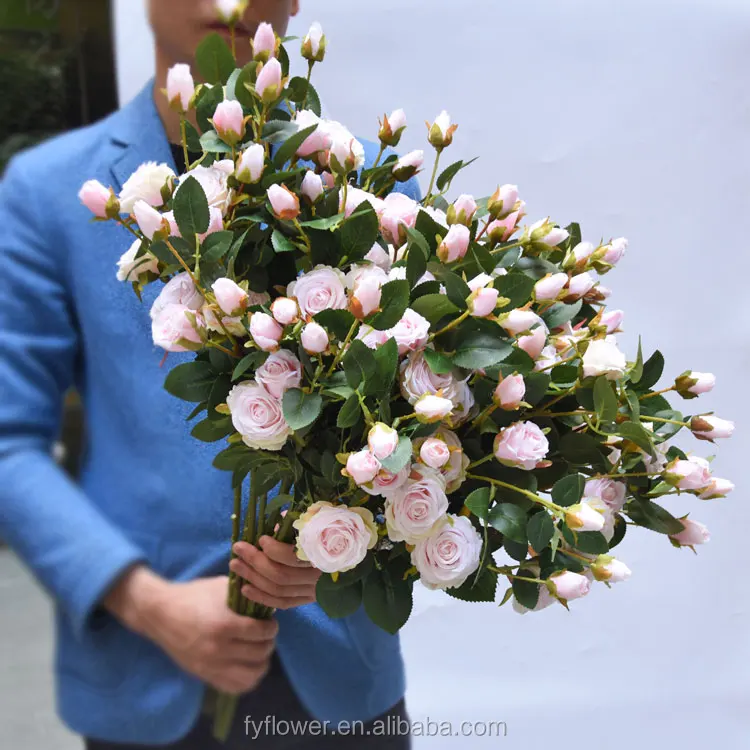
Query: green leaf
(417, 239)
(211, 143)
(540, 529)
(191, 208)
(482, 257)
(416, 265)
(525, 592)
(191, 381)
(214, 59)
(281, 243)
(287, 149)
(192, 137)
(447, 175)
(479, 349)
(300, 91)
(218, 394)
(560, 313)
(205, 106)
(437, 362)
(244, 85)
(359, 362)
(338, 322)
(474, 589)
(433, 307)
(537, 384)
(216, 246)
(387, 599)
(605, 400)
(380, 384)
(278, 131)
(516, 286)
(516, 550)
(301, 409)
(652, 516)
(637, 372)
(400, 457)
(359, 231)
(336, 599)
(510, 520)
(211, 430)
(394, 299)
(254, 359)
(580, 449)
(478, 502)
(350, 412)
(590, 542)
(634, 405)
(330, 222)
(569, 490)
(637, 434)
(652, 371)
(456, 288)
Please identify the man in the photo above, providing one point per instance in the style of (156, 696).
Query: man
(132, 556)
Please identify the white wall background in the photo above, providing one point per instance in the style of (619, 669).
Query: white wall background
(633, 118)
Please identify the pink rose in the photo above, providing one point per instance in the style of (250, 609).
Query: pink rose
(462, 210)
(711, 428)
(432, 408)
(230, 297)
(522, 445)
(692, 533)
(280, 372)
(386, 483)
(229, 121)
(610, 492)
(285, 311)
(569, 585)
(582, 252)
(602, 357)
(365, 298)
(408, 165)
(392, 128)
(129, 268)
(609, 569)
(454, 472)
(251, 164)
(314, 338)
(449, 554)
(612, 320)
(441, 131)
(356, 197)
(180, 87)
(455, 244)
(266, 332)
(579, 286)
(546, 232)
(382, 440)
(411, 332)
(435, 453)
(584, 517)
(503, 201)
(214, 181)
(397, 211)
(371, 337)
(335, 538)
(264, 42)
(95, 197)
(717, 487)
(550, 286)
(319, 140)
(171, 325)
(312, 186)
(501, 230)
(362, 466)
(615, 250)
(147, 183)
(258, 416)
(284, 203)
(318, 290)
(533, 343)
(150, 221)
(510, 392)
(412, 510)
(314, 43)
(520, 321)
(268, 85)
(179, 290)
(691, 384)
(693, 473)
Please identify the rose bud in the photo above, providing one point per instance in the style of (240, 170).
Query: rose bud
(519, 321)
(582, 517)
(602, 357)
(314, 338)
(264, 43)
(568, 585)
(180, 87)
(711, 428)
(546, 232)
(693, 473)
(692, 384)
(509, 392)
(610, 569)
(597, 293)
(432, 408)
(392, 128)
(362, 467)
(692, 533)
(382, 440)
(579, 286)
(717, 487)
(99, 200)
(462, 210)
(397, 212)
(407, 166)
(230, 297)
(314, 44)
(441, 131)
(280, 372)
(312, 187)
(581, 253)
(251, 164)
(230, 11)
(435, 453)
(269, 83)
(284, 203)
(365, 297)
(522, 445)
(534, 342)
(612, 253)
(611, 320)
(285, 311)
(455, 245)
(150, 221)
(501, 230)
(266, 332)
(550, 286)
(483, 302)
(503, 201)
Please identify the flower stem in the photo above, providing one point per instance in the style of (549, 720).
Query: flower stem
(429, 198)
(656, 393)
(183, 131)
(342, 348)
(532, 496)
(507, 247)
(310, 64)
(481, 461)
(460, 319)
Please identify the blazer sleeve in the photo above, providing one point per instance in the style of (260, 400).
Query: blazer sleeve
(71, 547)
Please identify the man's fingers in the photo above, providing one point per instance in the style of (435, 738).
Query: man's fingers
(282, 552)
(269, 600)
(283, 591)
(278, 572)
(249, 629)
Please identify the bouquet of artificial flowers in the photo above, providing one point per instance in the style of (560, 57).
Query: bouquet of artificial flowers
(427, 381)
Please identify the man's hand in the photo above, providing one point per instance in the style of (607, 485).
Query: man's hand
(193, 624)
(274, 575)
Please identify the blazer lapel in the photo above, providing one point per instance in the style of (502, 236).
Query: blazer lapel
(139, 135)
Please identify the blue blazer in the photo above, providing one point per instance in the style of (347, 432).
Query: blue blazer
(148, 491)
